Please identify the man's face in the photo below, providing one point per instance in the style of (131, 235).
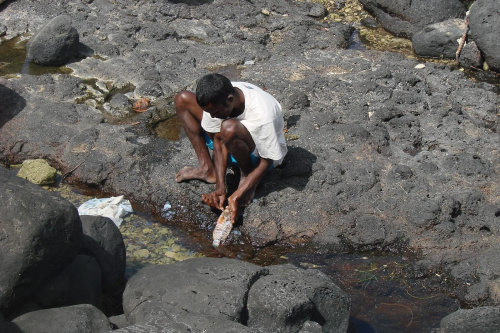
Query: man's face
(221, 111)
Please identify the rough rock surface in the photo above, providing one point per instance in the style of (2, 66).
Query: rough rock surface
(213, 287)
(79, 283)
(405, 17)
(83, 318)
(482, 319)
(484, 25)
(215, 292)
(439, 40)
(40, 233)
(102, 240)
(382, 155)
(470, 56)
(55, 44)
(287, 297)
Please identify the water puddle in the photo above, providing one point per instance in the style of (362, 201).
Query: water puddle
(169, 129)
(13, 60)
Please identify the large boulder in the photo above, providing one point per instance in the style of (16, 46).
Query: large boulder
(289, 296)
(40, 233)
(55, 44)
(216, 287)
(217, 294)
(482, 319)
(439, 40)
(78, 283)
(484, 23)
(405, 17)
(103, 240)
(83, 318)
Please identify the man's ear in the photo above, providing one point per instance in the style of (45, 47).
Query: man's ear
(230, 99)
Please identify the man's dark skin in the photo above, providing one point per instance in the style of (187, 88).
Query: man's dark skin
(233, 139)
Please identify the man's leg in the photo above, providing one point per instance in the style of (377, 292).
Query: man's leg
(190, 115)
(240, 144)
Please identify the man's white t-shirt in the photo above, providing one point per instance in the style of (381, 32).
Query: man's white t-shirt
(262, 117)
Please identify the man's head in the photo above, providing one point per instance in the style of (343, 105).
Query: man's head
(215, 94)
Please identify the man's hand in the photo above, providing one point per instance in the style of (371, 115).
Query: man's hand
(215, 199)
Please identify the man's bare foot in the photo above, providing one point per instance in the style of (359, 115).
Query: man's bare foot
(191, 173)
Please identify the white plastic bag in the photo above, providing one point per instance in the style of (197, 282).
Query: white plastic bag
(114, 208)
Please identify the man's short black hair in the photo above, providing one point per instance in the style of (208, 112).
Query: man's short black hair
(213, 88)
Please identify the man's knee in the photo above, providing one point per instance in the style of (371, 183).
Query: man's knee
(229, 129)
(232, 129)
(182, 100)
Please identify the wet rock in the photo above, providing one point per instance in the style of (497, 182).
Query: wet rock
(288, 297)
(31, 254)
(482, 319)
(470, 56)
(404, 18)
(484, 21)
(83, 318)
(102, 239)
(439, 40)
(38, 172)
(55, 44)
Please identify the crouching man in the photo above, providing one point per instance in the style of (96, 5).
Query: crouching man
(242, 124)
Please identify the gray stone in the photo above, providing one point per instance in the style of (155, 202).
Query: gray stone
(28, 253)
(289, 296)
(405, 17)
(484, 23)
(103, 240)
(470, 56)
(215, 287)
(83, 318)
(79, 283)
(483, 319)
(439, 40)
(55, 44)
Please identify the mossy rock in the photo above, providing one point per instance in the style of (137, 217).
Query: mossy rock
(38, 172)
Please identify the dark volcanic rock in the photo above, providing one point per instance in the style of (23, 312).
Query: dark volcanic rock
(439, 40)
(102, 240)
(83, 318)
(405, 17)
(470, 56)
(289, 296)
(212, 287)
(217, 294)
(55, 44)
(79, 283)
(483, 319)
(40, 234)
(484, 22)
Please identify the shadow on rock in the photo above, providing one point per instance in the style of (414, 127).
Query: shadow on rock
(294, 172)
(11, 104)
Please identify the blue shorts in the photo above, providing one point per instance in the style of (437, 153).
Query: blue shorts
(254, 159)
